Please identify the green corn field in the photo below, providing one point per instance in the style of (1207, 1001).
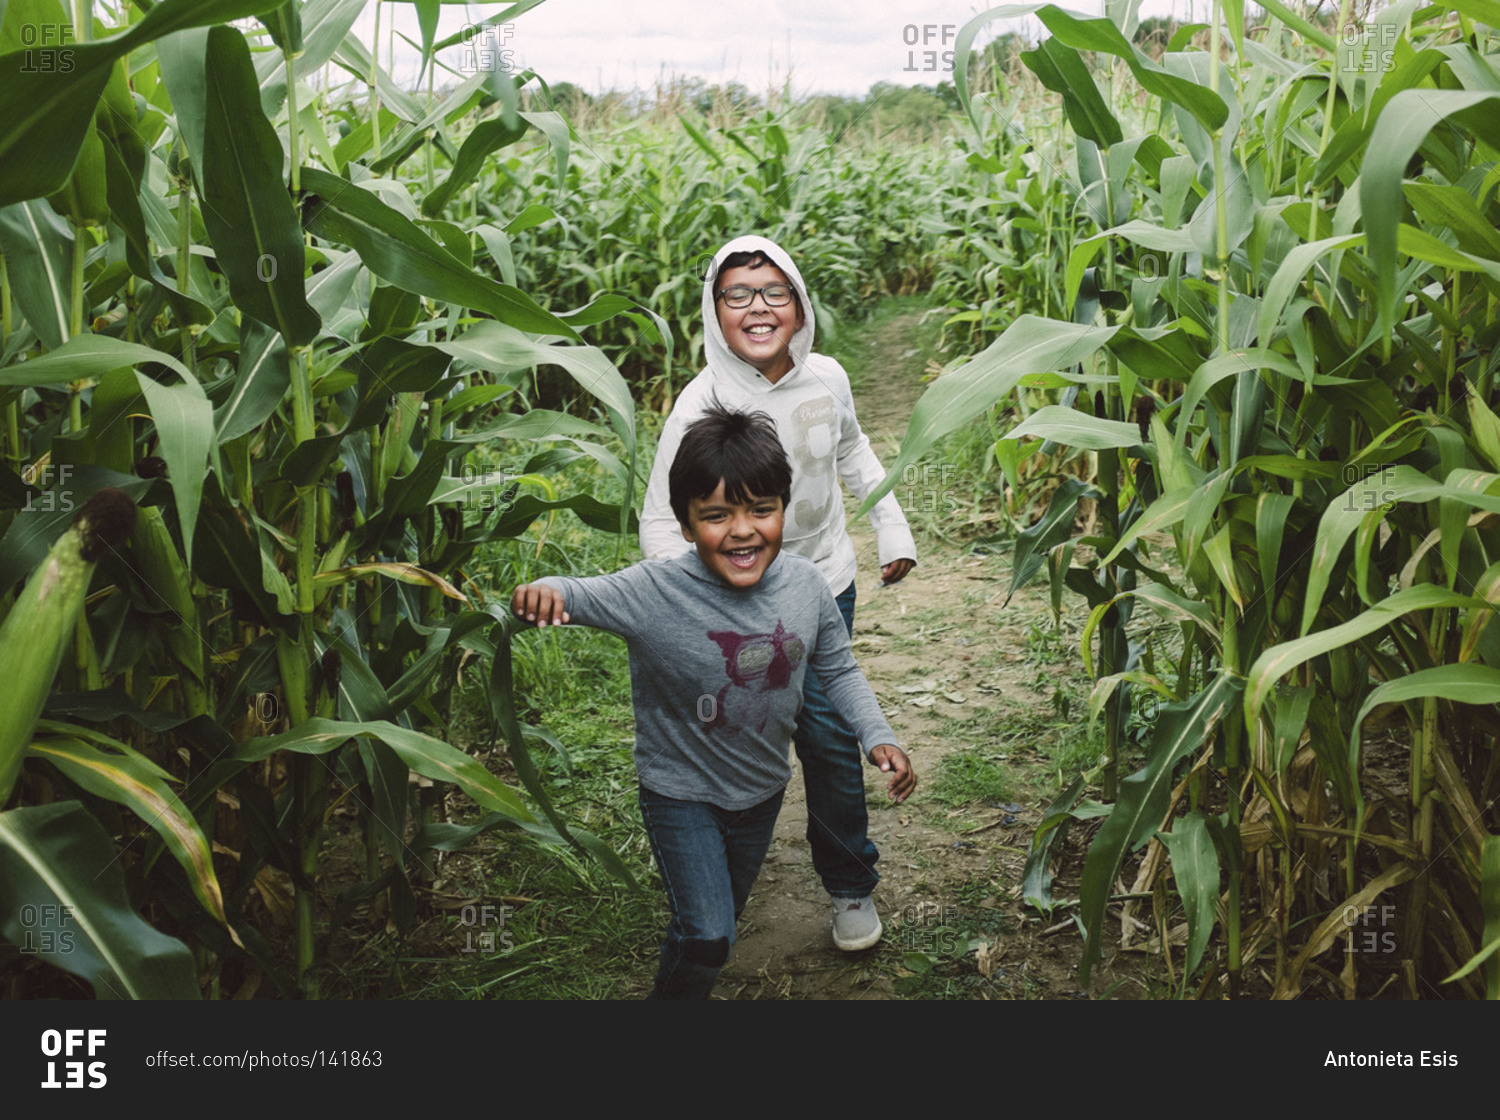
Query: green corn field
(298, 367)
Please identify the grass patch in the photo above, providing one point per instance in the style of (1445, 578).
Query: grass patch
(970, 777)
(1048, 644)
(558, 926)
(931, 946)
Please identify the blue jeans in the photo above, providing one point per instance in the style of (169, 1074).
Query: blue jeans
(834, 779)
(708, 858)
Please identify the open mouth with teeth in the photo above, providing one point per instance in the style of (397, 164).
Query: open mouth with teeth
(743, 557)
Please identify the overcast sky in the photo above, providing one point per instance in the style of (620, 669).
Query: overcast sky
(822, 46)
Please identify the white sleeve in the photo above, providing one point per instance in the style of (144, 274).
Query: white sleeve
(861, 471)
(661, 535)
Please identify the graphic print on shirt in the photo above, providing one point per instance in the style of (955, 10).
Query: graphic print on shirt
(810, 439)
(757, 664)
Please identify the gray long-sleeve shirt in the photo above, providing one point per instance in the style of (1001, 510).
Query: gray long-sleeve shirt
(716, 672)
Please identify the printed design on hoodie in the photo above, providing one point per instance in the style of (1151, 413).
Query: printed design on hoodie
(757, 664)
(810, 438)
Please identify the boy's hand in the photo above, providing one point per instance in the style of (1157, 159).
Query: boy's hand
(536, 602)
(896, 570)
(893, 760)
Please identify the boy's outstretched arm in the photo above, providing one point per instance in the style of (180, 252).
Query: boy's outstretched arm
(536, 602)
(893, 760)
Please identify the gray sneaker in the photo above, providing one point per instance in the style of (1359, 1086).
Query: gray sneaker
(856, 926)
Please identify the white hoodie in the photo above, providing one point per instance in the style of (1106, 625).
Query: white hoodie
(814, 414)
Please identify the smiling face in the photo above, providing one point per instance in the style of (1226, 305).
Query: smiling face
(758, 334)
(735, 540)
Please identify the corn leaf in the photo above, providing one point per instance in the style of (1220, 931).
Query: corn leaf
(399, 253)
(1050, 530)
(1294, 19)
(1167, 511)
(1062, 71)
(1399, 131)
(1195, 867)
(1036, 887)
(486, 138)
(38, 248)
(501, 347)
(58, 860)
(387, 776)
(505, 15)
(47, 110)
(1102, 36)
(263, 378)
(1279, 660)
(1336, 924)
(1179, 729)
(185, 428)
(1369, 497)
(963, 47)
(1463, 684)
(503, 712)
(429, 757)
(1489, 895)
(405, 573)
(127, 778)
(246, 210)
(1029, 345)
(1072, 428)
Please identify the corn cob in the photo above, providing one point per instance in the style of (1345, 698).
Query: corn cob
(36, 632)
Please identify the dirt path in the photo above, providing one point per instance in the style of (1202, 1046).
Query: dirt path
(944, 654)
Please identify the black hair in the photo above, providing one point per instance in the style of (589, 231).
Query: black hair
(746, 258)
(741, 449)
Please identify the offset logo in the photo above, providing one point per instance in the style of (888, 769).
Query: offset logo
(930, 35)
(53, 53)
(74, 1046)
(52, 482)
(44, 928)
(485, 50)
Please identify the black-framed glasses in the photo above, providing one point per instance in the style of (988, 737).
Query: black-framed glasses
(742, 295)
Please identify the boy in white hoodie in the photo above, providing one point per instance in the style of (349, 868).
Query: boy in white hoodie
(758, 336)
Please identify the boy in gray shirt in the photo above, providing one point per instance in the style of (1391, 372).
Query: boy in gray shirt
(721, 640)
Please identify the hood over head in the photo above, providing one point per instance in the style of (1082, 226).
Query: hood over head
(722, 359)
